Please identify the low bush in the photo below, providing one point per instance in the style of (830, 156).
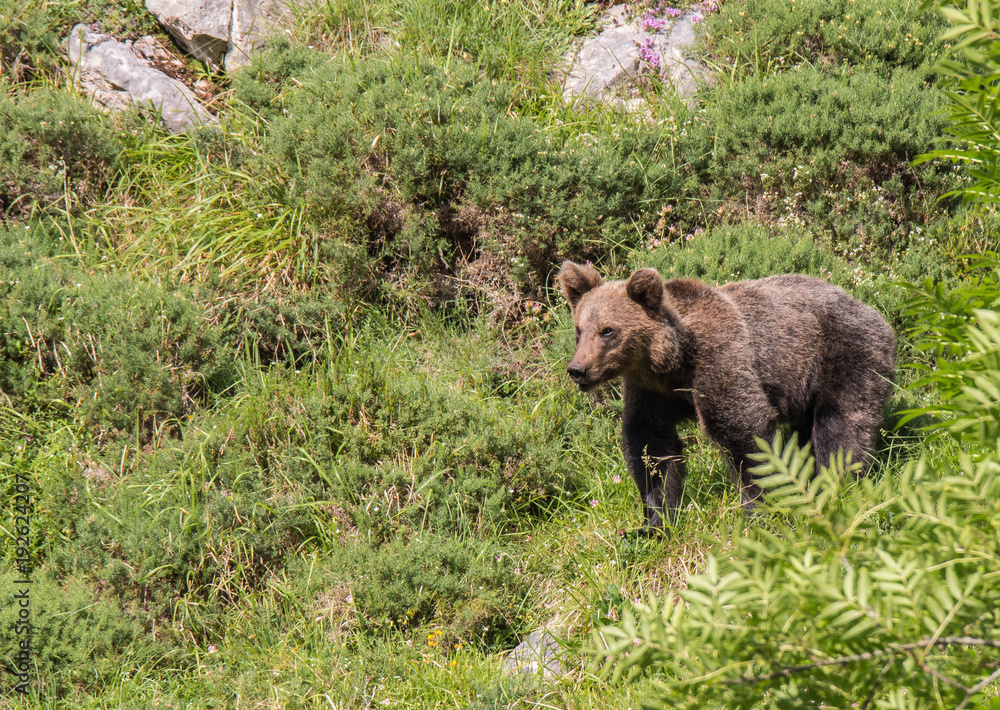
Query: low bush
(429, 172)
(193, 530)
(403, 442)
(735, 252)
(750, 250)
(54, 147)
(830, 151)
(122, 355)
(473, 590)
(755, 37)
(79, 637)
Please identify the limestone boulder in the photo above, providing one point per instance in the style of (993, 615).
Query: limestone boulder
(119, 74)
(604, 67)
(253, 22)
(200, 27)
(540, 653)
(222, 33)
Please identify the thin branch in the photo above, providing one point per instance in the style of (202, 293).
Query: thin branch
(868, 656)
(977, 687)
(944, 679)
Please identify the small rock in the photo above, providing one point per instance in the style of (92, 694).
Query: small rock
(117, 74)
(201, 27)
(605, 61)
(148, 48)
(221, 33)
(539, 653)
(253, 21)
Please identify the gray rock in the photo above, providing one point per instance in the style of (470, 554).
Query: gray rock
(221, 33)
(253, 22)
(603, 64)
(118, 74)
(201, 27)
(683, 72)
(539, 653)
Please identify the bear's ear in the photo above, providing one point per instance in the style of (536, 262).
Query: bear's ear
(645, 287)
(577, 280)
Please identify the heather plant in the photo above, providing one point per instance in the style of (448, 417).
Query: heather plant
(751, 251)
(827, 150)
(404, 447)
(80, 640)
(472, 590)
(385, 156)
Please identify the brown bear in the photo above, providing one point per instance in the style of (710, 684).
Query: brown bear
(741, 358)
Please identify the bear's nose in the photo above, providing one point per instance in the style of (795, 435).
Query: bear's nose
(576, 372)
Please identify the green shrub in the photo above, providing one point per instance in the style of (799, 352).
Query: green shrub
(120, 353)
(187, 531)
(28, 38)
(79, 636)
(440, 455)
(750, 250)
(761, 36)
(827, 150)
(53, 146)
(471, 589)
(427, 171)
(735, 252)
(437, 189)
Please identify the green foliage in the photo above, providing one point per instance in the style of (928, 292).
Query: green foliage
(401, 445)
(744, 251)
(426, 170)
(302, 434)
(195, 530)
(973, 92)
(960, 361)
(79, 636)
(120, 354)
(28, 37)
(876, 592)
(125, 19)
(227, 232)
(55, 151)
(750, 251)
(500, 38)
(828, 150)
(472, 590)
(764, 36)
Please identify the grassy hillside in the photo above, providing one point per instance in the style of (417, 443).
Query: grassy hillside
(292, 392)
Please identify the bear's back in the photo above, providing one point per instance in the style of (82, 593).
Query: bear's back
(808, 336)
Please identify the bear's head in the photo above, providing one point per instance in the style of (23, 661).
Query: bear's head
(623, 328)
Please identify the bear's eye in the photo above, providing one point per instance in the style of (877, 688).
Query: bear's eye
(607, 332)
(578, 334)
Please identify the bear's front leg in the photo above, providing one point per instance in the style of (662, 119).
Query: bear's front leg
(653, 450)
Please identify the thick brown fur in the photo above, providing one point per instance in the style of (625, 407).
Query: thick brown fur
(741, 358)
